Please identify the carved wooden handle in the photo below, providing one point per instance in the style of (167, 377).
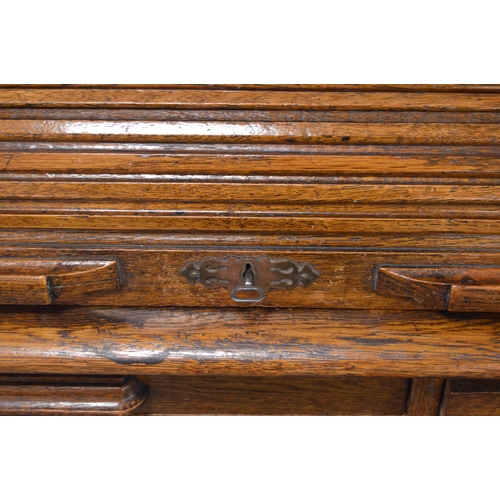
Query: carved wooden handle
(42, 281)
(43, 395)
(448, 288)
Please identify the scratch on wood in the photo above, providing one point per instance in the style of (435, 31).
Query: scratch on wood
(8, 162)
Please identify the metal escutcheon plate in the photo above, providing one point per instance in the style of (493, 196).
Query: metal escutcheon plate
(249, 278)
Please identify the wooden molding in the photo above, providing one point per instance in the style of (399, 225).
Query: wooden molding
(203, 341)
(51, 395)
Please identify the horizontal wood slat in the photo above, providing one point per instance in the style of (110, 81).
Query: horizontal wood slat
(264, 225)
(249, 149)
(250, 192)
(102, 163)
(249, 342)
(203, 99)
(136, 208)
(232, 115)
(261, 132)
(154, 240)
(482, 88)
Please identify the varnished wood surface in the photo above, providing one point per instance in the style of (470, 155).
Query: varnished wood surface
(348, 279)
(379, 166)
(218, 190)
(250, 115)
(471, 397)
(424, 397)
(35, 281)
(217, 395)
(249, 342)
(448, 288)
(55, 395)
(249, 149)
(414, 168)
(263, 115)
(111, 240)
(275, 225)
(255, 99)
(262, 132)
(290, 87)
(347, 177)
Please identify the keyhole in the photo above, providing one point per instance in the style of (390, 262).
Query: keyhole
(248, 276)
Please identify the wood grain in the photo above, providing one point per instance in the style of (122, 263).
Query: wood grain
(232, 115)
(472, 397)
(348, 178)
(217, 395)
(239, 225)
(37, 281)
(482, 88)
(108, 241)
(249, 149)
(414, 167)
(151, 276)
(223, 192)
(56, 395)
(135, 208)
(245, 99)
(449, 288)
(248, 342)
(261, 132)
(424, 397)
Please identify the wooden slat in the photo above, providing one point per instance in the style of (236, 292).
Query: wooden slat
(261, 132)
(103, 239)
(248, 224)
(232, 115)
(248, 342)
(290, 87)
(102, 163)
(249, 149)
(206, 99)
(256, 192)
(218, 208)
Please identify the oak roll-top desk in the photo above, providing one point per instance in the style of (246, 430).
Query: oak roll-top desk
(250, 249)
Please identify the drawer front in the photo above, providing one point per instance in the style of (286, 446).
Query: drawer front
(217, 395)
(195, 395)
(211, 277)
(471, 397)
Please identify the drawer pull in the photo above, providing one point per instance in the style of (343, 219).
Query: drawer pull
(448, 288)
(249, 278)
(42, 281)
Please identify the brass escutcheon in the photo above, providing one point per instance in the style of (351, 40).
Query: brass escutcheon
(249, 278)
